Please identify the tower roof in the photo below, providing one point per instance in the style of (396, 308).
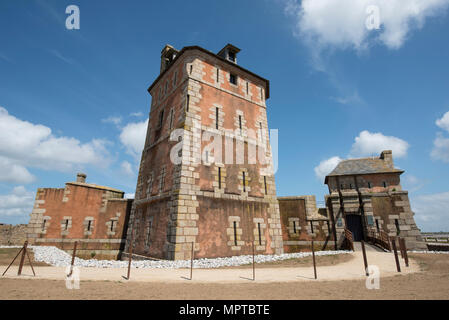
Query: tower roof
(190, 48)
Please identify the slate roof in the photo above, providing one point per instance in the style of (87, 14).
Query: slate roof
(362, 166)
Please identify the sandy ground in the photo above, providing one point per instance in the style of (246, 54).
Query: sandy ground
(348, 270)
(426, 278)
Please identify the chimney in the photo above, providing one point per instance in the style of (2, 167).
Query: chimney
(229, 52)
(168, 54)
(81, 177)
(387, 156)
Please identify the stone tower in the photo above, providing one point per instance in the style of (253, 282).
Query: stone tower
(206, 174)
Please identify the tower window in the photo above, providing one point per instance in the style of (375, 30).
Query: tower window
(112, 225)
(218, 75)
(240, 123)
(377, 225)
(89, 225)
(191, 69)
(161, 118)
(216, 118)
(311, 226)
(369, 184)
(187, 103)
(219, 178)
(350, 186)
(265, 184)
(44, 224)
(231, 56)
(294, 226)
(247, 87)
(66, 227)
(244, 182)
(260, 233)
(175, 78)
(385, 184)
(235, 232)
(233, 79)
(171, 118)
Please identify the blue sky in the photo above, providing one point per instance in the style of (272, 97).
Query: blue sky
(76, 100)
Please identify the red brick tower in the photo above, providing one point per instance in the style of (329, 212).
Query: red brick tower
(206, 173)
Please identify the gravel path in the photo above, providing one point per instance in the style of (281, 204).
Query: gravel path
(59, 258)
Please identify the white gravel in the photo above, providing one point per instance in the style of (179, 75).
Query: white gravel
(59, 258)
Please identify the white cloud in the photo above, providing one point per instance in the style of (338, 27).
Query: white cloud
(133, 137)
(136, 114)
(443, 123)
(353, 98)
(25, 144)
(368, 144)
(326, 166)
(127, 168)
(432, 211)
(342, 23)
(113, 120)
(440, 149)
(129, 196)
(18, 203)
(14, 173)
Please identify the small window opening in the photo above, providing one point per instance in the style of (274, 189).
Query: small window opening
(377, 225)
(385, 184)
(66, 227)
(260, 233)
(89, 225)
(216, 118)
(233, 79)
(112, 225)
(187, 103)
(218, 75)
(244, 182)
(369, 184)
(265, 184)
(44, 224)
(294, 226)
(311, 226)
(219, 178)
(235, 233)
(240, 123)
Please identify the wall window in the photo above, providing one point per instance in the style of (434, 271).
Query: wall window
(216, 117)
(175, 78)
(218, 75)
(369, 184)
(265, 184)
(66, 224)
(187, 103)
(231, 56)
(244, 181)
(260, 233)
(377, 225)
(44, 224)
(235, 232)
(294, 226)
(247, 87)
(219, 178)
(233, 79)
(385, 184)
(240, 123)
(89, 225)
(161, 119)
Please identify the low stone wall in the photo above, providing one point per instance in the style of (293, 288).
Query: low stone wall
(13, 234)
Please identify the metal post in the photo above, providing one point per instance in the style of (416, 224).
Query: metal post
(314, 262)
(191, 261)
(401, 248)
(254, 267)
(364, 257)
(31, 265)
(405, 252)
(73, 258)
(22, 259)
(393, 243)
(130, 254)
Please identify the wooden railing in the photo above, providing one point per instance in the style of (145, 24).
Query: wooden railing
(349, 239)
(380, 238)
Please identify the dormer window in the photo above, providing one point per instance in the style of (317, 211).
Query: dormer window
(231, 56)
(229, 52)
